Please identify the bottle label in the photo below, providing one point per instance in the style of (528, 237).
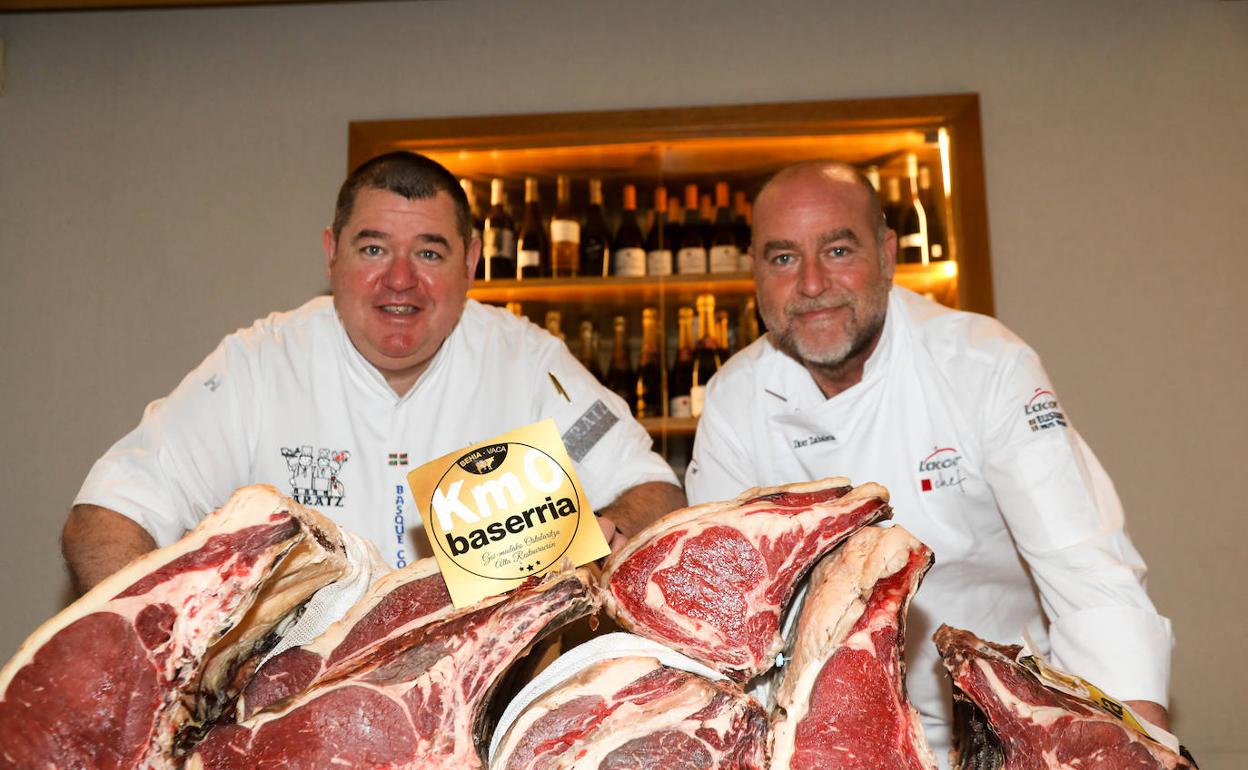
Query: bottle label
(744, 263)
(680, 406)
(565, 231)
(659, 262)
(499, 243)
(630, 261)
(697, 395)
(691, 260)
(913, 240)
(724, 259)
(529, 258)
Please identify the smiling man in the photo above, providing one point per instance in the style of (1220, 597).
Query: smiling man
(956, 416)
(335, 402)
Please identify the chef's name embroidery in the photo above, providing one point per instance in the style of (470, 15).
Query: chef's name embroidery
(799, 443)
(940, 470)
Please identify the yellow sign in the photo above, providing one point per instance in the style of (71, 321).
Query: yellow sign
(504, 510)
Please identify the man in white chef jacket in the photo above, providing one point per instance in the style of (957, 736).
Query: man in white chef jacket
(956, 417)
(336, 401)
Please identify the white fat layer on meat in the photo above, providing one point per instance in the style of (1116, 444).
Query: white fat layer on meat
(763, 525)
(839, 589)
(1040, 716)
(671, 711)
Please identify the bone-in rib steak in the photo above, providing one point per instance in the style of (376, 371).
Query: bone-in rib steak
(1005, 718)
(415, 700)
(842, 702)
(634, 712)
(395, 604)
(712, 581)
(105, 683)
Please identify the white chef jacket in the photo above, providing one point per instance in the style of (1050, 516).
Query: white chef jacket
(956, 417)
(291, 402)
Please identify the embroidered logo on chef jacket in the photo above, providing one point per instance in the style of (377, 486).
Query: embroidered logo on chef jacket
(314, 480)
(1043, 411)
(940, 470)
(400, 526)
(398, 458)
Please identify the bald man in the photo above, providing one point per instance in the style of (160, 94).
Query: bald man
(956, 416)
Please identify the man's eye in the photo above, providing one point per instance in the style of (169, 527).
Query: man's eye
(372, 250)
(839, 251)
(783, 259)
(429, 255)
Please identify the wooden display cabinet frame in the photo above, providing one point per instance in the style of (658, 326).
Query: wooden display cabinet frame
(957, 114)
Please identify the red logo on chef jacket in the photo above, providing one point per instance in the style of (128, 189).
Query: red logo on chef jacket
(1043, 412)
(940, 470)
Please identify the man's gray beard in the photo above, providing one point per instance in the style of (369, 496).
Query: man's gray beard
(832, 359)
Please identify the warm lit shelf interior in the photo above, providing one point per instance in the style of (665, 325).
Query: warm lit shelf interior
(670, 426)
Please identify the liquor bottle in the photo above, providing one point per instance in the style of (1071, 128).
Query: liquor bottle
(691, 256)
(935, 222)
(554, 323)
(891, 204)
(588, 355)
(565, 233)
(478, 224)
(680, 379)
(912, 235)
(706, 218)
(532, 254)
(498, 249)
(629, 254)
(621, 379)
(706, 358)
(649, 394)
(662, 236)
(516, 309)
(741, 230)
(722, 341)
(595, 240)
(747, 326)
(724, 254)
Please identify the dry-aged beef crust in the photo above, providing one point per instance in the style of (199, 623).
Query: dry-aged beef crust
(712, 581)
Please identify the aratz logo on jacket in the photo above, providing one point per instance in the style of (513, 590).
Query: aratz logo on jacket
(1043, 411)
(940, 470)
(314, 480)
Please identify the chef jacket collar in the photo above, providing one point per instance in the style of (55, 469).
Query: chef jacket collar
(793, 386)
(366, 374)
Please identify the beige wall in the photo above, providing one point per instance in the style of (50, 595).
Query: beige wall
(164, 175)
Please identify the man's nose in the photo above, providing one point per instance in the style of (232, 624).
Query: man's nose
(811, 279)
(400, 274)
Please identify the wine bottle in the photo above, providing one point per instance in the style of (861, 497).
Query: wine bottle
(935, 222)
(741, 230)
(621, 379)
(747, 326)
(499, 238)
(649, 396)
(554, 323)
(722, 340)
(706, 359)
(680, 379)
(706, 219)
(660, 243)
(588, 355)
(892, 203)
(691, 256)
(630, 248)
(478, 224)
(912, 235)
(565, 233)
(724, 253)
(595, 240)
(532, 253)
(515, 308)
(872, 173)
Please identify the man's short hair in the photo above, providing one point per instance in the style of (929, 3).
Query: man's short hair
(409, 174)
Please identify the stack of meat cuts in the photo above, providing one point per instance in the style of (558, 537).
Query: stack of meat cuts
(842, 700)
(1005, 718)
(412, 700)
(122, 677)
(712, 581)
(634, 713)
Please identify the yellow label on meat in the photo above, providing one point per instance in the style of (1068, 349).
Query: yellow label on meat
(504, 510)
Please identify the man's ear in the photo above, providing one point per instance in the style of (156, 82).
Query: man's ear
(472, 257)
(329, 243)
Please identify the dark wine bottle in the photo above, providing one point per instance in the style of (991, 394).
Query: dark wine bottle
(649, 397)
(691, 256)
(621, 379)
(660, 243)
(723, 255)
(565, 233)
(912, 245)
(741, 229)
(595, 240)
(532, 252)
(680, 378)
(478, 224)
(629, 254)
(706, 354)
(935, 222)
(499, 239)
(892, 203)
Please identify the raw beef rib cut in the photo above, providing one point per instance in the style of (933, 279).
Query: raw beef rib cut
(395, 604)
(712, 581)
(842, 701)
(111, 681)
(632, 713)
(1004, 718)
(415, 701)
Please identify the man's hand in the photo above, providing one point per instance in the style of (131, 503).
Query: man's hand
(613, 536)
(96, 542)
(1151, 711)
(636, 508)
